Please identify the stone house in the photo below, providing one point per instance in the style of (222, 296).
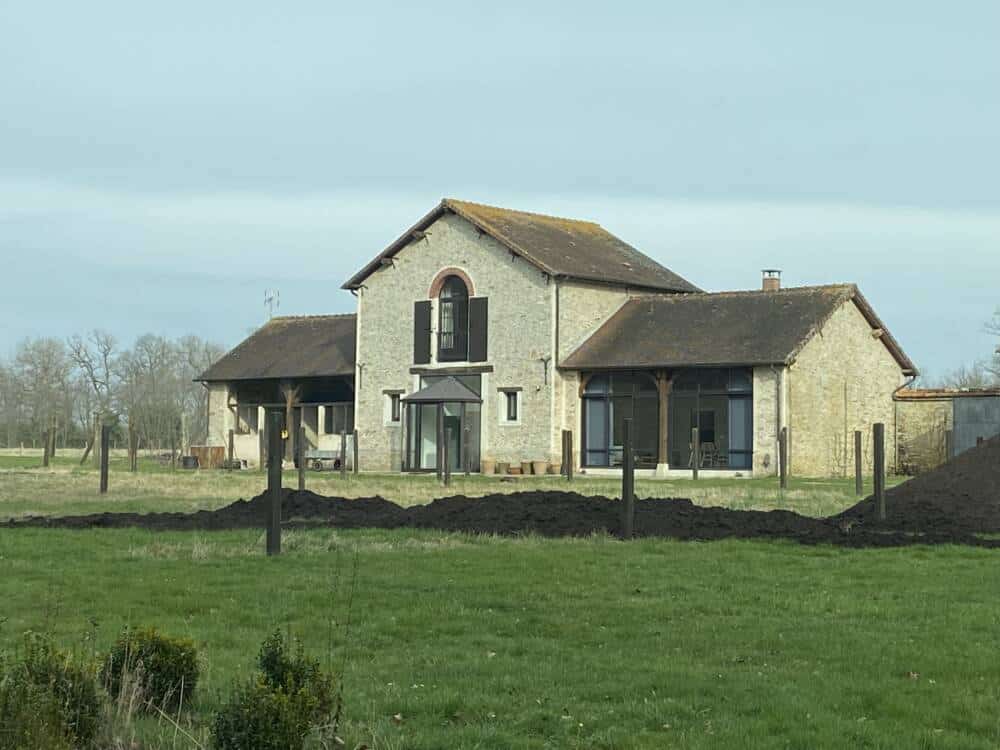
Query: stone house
(501, 328)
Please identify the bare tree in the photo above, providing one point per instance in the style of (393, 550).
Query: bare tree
(993, 327)
(94, 359)
(42, 369)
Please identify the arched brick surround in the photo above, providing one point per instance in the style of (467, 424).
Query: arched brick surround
(443, 274)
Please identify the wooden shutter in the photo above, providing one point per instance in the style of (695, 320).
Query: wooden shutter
(478, 329)
(422, 332)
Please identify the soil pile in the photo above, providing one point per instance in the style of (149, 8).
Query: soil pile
(960, 497)
(954, 504)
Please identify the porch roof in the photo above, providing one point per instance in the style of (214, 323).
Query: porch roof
(446, 390)
(289, 347)
(721, 329)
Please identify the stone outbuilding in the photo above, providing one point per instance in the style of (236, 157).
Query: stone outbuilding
(547, 324)
(936, 424)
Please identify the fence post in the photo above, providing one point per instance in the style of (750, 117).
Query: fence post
(439, 438)
(354, 442)
(628, 481)
(45, 449)
(301, 457)
(695, 452)
(783, 458)
(445, 458)
(275, 456)
(859, 482)
(568, 454)
(878, 453)
(105, 449)
(343, 454)
(232, 448)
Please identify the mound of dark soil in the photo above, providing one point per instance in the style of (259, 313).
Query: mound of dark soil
(953, 504)
(959, 497)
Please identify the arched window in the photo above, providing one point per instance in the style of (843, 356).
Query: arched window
(453, 320)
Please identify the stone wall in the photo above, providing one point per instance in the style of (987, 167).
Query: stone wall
(520, 337)
(766, 384)
(220, 416)
(842, 380)
(920, 432)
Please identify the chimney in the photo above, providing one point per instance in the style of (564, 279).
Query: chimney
(771, 281)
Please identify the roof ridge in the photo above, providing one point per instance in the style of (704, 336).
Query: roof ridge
(675, 296)
(448, 201)
(324, 316)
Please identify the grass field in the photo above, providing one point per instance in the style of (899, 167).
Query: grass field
(482, 642)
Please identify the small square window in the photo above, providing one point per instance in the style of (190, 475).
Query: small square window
(393, 407)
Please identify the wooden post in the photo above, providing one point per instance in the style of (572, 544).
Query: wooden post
(275, 455)
(568, 454)
(859, 483)
(354, 444)
(663, 388)
(232, 447)
(695, 452)
(439, 439)
(628, 481)
(878, 453)
(343, 454)
(782, 459)
(105, 445)
(301, 456)
(465, 447)
(445, 458)
(97, 440)
(45, 449)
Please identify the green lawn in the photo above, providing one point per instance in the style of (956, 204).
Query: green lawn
(479, 642)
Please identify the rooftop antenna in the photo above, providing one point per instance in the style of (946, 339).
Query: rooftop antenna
(272, 301)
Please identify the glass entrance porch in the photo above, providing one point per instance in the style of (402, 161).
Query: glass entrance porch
(453, 404)
(719, 404)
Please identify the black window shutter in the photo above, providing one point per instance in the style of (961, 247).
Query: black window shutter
(422, 332)
(478, 329)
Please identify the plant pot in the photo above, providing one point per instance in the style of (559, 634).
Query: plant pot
(501, 467)
(514, 470)
(539, 467)
(554, 469)
(487, 466)
(526, 467)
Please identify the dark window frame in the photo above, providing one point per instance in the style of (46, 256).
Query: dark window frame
(395, 410)
(512, 406)
(453, 321)
(347, 418)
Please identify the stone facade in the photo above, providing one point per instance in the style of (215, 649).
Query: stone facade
(520, 341)
(920, 431)
(768, 418)
(843, 380)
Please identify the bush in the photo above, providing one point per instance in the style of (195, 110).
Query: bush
(277, 708)
(164, 669)
(46, 700)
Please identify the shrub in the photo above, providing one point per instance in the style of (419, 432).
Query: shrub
(164, 668)
(46, 700)
(277, 708)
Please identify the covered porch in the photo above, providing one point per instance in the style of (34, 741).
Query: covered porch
(443, 422)
(666, 406)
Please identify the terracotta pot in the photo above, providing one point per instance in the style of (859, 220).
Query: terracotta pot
(514, 470)
(487, 466)
(539, 467)
(526, 467)
(501, 467)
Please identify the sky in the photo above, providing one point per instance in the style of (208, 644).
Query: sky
(161, 165)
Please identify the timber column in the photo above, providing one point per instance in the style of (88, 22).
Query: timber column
(664, 384)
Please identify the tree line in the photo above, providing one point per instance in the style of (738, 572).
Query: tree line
(61, 391)
(982, 373)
